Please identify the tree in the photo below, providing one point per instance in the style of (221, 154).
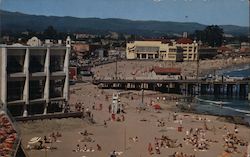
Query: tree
(50, 33)
(213, 35)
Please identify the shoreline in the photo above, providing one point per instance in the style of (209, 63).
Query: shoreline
(231, 67)
(182, 108)
(239, 120)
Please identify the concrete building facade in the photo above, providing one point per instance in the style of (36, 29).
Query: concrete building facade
(180, 50)
(34, 80)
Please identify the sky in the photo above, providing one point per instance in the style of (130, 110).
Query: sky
(220, 12)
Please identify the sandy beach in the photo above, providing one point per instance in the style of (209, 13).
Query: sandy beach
(132, 136)
(134, 68)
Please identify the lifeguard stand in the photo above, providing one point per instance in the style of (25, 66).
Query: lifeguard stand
(116, 103)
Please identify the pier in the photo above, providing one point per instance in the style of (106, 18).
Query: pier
(236, 88)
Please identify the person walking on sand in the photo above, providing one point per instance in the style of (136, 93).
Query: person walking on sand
(123, 118)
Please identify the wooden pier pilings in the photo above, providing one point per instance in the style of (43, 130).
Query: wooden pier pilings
(237, 88)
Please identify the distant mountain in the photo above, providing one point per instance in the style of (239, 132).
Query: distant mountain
(15, 21)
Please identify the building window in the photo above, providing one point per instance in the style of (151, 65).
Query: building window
(15, 90)
(36, 89)
(56, 88)
(172, 50)
(150, 56)
(15, 60)
(138, 56)
(143, 56)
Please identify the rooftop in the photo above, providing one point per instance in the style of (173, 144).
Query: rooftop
(159, 70)
(184, 41)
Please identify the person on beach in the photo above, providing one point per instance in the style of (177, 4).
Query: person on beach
(134, 139)
(99, 148)
(85, 148)
(58, 134)
(174, 116)
(113, 154)
(78, 148)
(236, 129)
(157, 149)
(110, 108)
(46, 140)
(105, 124)
(113, 116)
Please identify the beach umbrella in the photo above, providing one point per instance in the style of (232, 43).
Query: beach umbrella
(157, 106)
(34, 140)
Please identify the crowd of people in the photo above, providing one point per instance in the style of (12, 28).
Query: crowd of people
(197, 139)
(8, 136)
(231, 143)
(45, 142)
(87, 138)
(163, 142)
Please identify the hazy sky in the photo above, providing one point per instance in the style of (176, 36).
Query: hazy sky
(234, 12)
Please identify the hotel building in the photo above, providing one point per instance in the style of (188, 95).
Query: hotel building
(34, 79)
(183, 49)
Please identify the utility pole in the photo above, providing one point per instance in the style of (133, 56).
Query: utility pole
(197, 70)
(142, 96)
(116, 67)
(125, 138)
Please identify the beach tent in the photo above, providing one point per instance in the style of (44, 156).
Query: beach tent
(157, 106)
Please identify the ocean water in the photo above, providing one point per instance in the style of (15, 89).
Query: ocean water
(240, 71)
(226, 106)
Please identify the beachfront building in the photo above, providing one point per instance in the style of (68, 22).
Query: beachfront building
(183, 49)
(34, 79)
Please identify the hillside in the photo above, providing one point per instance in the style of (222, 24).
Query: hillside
(15, 21)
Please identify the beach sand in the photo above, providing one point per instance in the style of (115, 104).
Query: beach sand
(117, 135)
(135, 68)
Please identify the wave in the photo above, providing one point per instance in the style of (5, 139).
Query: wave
(244, 68)
(234, 70)
(220, 104)
(214, 102)
(238, 110)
